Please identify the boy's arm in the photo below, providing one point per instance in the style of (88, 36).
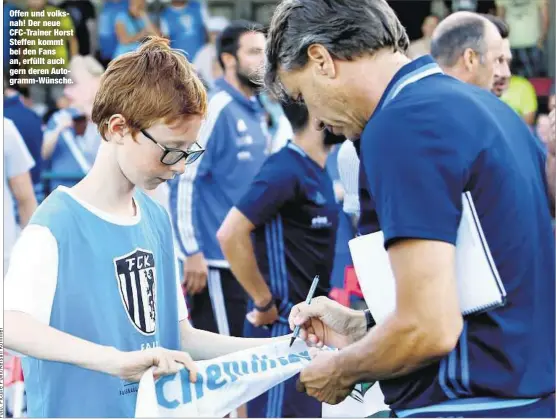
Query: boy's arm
(201, 344)
(30, 286)
(28, 336)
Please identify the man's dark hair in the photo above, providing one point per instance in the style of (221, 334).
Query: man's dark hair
(297, 113)
(228, 41)
(450, 42)
(502, 26)
(346, 28)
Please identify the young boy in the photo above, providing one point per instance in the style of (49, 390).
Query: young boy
(92, 297)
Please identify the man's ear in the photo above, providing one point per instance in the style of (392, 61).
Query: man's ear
(117, 128)
(470, 59)
(322, 61)
(229, 60)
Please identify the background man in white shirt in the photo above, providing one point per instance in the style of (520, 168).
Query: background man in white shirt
(18, 187)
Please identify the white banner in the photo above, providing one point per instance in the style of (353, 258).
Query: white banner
(223, 384)
(364, 401)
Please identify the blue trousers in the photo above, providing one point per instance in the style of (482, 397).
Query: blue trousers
(282, 401)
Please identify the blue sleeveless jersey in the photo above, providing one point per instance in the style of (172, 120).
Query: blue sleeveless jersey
(116, 287)
(185, 27)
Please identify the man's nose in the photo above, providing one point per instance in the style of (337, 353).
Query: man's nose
(505, 70)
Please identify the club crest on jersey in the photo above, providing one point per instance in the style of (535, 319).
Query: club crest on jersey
(136, 278)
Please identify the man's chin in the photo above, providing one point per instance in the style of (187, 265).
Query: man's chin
(499, 88)
(248, 82)
(497, 92)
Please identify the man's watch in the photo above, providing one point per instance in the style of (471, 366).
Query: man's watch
(265, 308)
(369, 318)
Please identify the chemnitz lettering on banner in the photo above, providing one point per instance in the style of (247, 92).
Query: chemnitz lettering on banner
(218, 375)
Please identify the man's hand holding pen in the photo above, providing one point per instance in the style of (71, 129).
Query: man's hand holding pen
(326, 322)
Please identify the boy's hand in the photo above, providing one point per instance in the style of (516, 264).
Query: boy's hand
(131, 366)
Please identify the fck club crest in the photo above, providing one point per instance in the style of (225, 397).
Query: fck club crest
(136, 277)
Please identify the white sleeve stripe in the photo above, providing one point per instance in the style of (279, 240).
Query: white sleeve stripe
(348, 168)
(184, 201)
(76, 152)
(182, 306)
(205, 13)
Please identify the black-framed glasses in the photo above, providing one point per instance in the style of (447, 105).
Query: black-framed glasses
(171, 156)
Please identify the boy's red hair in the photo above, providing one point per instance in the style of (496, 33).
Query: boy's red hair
(150, 84)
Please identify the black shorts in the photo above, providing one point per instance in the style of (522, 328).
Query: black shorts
(222, 306)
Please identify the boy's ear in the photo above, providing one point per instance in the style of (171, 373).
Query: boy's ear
(117, 128)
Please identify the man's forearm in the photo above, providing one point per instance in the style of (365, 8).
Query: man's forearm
(26, 210)
(50, 141)
(201, 344)
(240, 254)
(545, 19)
(74, 46)
(391, 349)
(29, 337)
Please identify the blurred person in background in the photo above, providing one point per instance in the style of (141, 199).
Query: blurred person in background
(29, 126)
(18, 187)
(502, 78)
(85, 74)
(41, 93)
(236, 142)
(542, 128)
(68, 150)
(132, 27)
(422, 46)
(529, 22)
(477, 41)
(521, 96)
(277, 237)
(83, 15)
(71, 139)
(107, 37)
(184, 23)
(470, 48)
(206, 61)
(61, 103)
